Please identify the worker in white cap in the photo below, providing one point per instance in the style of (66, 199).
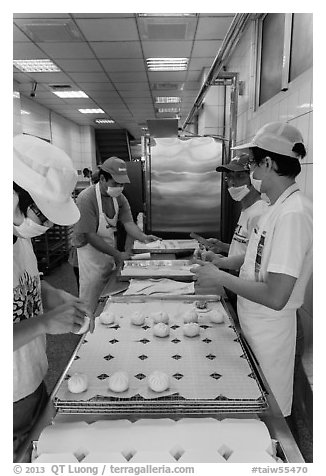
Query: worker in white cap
(241, 190)
(278, 260)
(44, 179)
(101, 206)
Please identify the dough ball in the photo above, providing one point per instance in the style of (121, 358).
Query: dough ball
(84, 328)
(160, 316)
(191, 329)
(161, 330)
(107, 318)
(137, 318)
(190, 316)
(119, 382)
(216, 316)
(158, 381)
(201, 305)
(78, 383)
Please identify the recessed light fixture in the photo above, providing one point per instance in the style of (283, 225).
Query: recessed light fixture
(70, 94)
(91, 111)
(104, 121)
(167, 64)
(167, 14)
(24, 113)
(168, 109)
(16, 94)
(167, 99)
(36, 66)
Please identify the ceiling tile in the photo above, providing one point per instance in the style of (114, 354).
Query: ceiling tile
(199, 63)
(103, 15)
(126, 65)
(117, 49)
(18, 35)
(167, 49)
(167, 76)
(71, 65)
(73, 50)
(126, 77)
(27, 51)
(40, 15)
(213, 28)
(89, 87)
(89, 77)
(143, 86)
(107, 29)
(52, 78)
(135, 94)
(206, 48)
(194, 75)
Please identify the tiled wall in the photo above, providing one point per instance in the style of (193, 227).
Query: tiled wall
(294, 106)
(77, 141)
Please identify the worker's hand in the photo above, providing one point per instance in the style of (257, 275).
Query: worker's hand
(217, 260)
(150, 238)
(216, 245)
(206, 273)
(120, 257)
(69, 298)
(68, 317)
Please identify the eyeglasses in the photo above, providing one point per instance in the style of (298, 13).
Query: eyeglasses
(38, 213)
(236, 177)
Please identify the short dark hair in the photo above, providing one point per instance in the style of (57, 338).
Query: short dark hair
(106, 175)
(24, 199)
(286, 166)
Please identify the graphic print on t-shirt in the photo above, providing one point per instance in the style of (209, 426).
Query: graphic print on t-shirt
(27, 300)
(237, 236)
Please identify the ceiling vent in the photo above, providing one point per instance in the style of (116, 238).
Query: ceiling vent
(167, 86)
(167, 28)
(48, 31)
(60, 87)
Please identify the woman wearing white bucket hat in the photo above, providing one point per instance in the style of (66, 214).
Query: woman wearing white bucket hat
(278, 260)
(44, 178)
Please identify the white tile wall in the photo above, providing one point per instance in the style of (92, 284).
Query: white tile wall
(77, 141)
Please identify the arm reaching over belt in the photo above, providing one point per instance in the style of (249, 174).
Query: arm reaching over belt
(101, 245)
(133, 230)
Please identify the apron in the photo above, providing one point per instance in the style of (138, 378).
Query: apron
(95, 267)
(271, 334)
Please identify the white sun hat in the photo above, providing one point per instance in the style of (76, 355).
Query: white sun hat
(47, 174)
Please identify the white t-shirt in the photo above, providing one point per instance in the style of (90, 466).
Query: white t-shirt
(281, 243)
(247, 220)
(29, 361)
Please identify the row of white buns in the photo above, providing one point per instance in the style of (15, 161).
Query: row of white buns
(224, 437)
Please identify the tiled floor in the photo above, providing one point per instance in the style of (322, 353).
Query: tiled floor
(60, 348)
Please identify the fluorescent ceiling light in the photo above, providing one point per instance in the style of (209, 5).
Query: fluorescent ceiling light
(104, 121)
(168, 109)
(70, 94)
(23, 112)
(91, 111)
(167, 64)
(16, 94)
(36, 66)
(167, 99)
(167, 14)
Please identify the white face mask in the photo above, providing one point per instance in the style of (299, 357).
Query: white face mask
(255, 182)
(29, 229)
(238, 193)
(114, 191)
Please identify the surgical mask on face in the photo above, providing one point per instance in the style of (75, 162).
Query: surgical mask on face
(114, 191)
(238, 193)
(29, 229)
(255, 182)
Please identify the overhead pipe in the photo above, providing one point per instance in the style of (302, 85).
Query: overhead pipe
(230, 41)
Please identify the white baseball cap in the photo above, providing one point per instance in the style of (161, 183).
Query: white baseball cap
(277, 137)
(47, 174)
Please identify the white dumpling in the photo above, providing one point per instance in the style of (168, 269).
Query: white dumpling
(107, 318)
(161, 330)
(137, 318)
(118, 382)
(191, 329)
(78, 383)
(84, 328)
(190, 316)
(160, 316)
(158, 381)
(216, 316)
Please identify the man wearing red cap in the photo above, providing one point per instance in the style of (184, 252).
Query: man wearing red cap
(278, 260)
(101, 206)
